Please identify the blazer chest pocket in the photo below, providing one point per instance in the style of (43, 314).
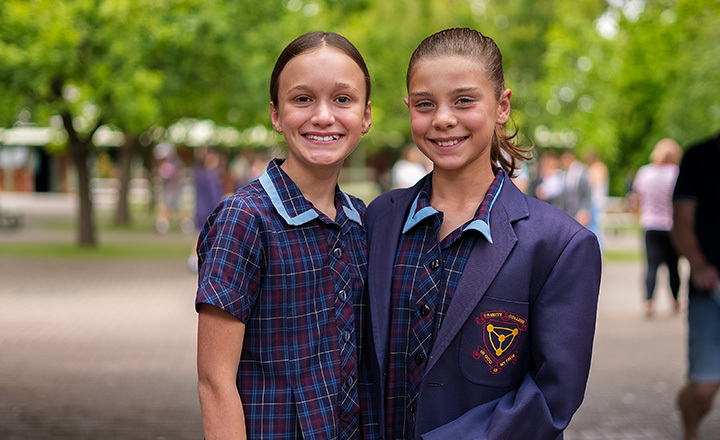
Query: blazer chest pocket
(494, 343)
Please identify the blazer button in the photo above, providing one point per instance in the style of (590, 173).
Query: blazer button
(425, 310)
(337, 253)
(435, 264)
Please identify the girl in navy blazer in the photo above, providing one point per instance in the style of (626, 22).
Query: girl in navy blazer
(482, 299)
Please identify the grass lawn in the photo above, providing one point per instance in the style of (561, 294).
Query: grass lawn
(135, 242)
(105, 251)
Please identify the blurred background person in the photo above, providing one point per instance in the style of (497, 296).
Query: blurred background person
(575, 197)
(651, 198)
(696, 236)
(208, 178)
(599, 180)
(171, 171)
(411, 167)
(207, 174)
(547, 182)
(239, 170)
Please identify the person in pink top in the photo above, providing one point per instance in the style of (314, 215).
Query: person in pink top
(652, 194)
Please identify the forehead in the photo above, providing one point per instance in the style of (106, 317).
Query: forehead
(434, 71)
(325, 63)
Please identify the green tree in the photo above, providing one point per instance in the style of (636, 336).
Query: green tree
(620, 77)
(613, 77)
(66, 59)
(134, 66)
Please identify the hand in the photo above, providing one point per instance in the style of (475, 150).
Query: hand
(705, 277)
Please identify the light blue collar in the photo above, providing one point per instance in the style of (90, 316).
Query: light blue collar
(310, 214)
(480, 225)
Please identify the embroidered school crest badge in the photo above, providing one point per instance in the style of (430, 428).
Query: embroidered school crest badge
(500, 332)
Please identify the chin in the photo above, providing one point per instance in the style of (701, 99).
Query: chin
(326, 162)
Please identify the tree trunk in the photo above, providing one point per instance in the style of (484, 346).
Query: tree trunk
(79, 151)
(127, 150)
(150, 171)
(86, 220)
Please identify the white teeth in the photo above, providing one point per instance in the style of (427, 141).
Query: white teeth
(449, 143)
(323, 138)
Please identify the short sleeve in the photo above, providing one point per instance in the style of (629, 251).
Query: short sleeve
(637, 184)
(230, 253)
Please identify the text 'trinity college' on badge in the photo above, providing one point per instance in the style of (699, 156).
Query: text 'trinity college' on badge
(500, 335)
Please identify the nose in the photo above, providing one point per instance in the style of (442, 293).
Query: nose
(444, 118)
(323, 115)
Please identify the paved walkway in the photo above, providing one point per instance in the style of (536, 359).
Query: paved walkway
(106, 350)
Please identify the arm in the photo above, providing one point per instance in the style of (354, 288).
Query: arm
(220, 340)
(704, 275)
(562, 325)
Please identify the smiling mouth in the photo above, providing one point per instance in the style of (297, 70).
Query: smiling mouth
(329, 138)
(449, 143)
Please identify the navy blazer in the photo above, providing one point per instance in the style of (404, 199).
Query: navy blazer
(512, 356)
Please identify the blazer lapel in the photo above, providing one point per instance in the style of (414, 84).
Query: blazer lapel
(482, 267)
(383, 246)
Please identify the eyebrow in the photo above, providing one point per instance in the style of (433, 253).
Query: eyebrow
(465, 89)
(338, 85)
(456, 91)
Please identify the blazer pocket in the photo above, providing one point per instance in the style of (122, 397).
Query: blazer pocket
(494, 343)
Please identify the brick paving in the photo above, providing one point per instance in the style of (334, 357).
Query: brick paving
(106, 350)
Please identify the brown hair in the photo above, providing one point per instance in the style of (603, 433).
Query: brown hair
(470, 43)
(310, 41)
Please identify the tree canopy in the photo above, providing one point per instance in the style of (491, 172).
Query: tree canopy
(609, 76)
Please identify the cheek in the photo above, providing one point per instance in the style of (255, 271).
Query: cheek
(296, 118)
(478, 122)
(352, 119)
(419, 123)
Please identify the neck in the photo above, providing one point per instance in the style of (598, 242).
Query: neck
(458, 196)
(316, 185)
(450, 188)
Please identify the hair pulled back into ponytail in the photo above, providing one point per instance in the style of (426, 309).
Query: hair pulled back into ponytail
(470, 43)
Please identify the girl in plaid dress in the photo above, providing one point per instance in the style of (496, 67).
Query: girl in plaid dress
(283, 265)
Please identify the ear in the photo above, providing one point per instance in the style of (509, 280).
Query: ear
(275, 118)
(367, 118)
(504, 107)
(407, 102)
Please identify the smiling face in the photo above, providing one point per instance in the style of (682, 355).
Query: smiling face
(453, 113)
(321, 108)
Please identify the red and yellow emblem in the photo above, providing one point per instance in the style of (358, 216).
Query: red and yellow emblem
(500, 335)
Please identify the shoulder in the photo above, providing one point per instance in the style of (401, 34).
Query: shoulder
(248, 203)
(560, 233)
(383, 203)
(553, 222)
(703, 150)
(644, 169)
(642, 173)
